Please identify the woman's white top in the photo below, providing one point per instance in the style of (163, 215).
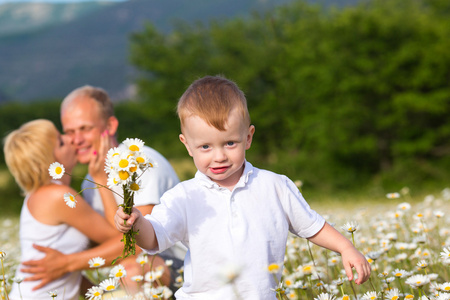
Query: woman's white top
(63, 238)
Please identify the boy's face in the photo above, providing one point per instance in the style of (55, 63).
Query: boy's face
(218, 154)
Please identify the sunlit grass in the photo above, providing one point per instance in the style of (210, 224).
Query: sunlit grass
(407, 234)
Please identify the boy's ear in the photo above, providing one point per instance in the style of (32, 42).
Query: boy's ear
(251, 131)
(183, 140)
(112, 125)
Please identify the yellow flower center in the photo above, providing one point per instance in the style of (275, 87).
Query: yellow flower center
(133, 169)
(123, 163)
(447, 288)
(346, 297)
(119, 274)
(124, 175)
(134, 148)
(72, 198)
(140, 160)
(134, 187)
(398, 274)
(58, 170)
(96, 265)
(419, 215)
(273, 267)
(96, 294)
(409, 297)
(110, 288)
(394, 298)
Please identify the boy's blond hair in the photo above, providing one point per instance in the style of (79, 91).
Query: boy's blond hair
(29, 153)
(212, 98)
(100, 96)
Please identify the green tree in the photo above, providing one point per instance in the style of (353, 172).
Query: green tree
(337, 96)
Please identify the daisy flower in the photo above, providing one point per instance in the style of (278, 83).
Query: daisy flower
(422, 264)
(325, 296)
(445, 287)
(53, 294)
(118, 272)
(134, 145)
(417, 280)
(404, 206)
(96, 262)
(18, 279)
(94, 293)
(135, 186)
(439, 214)
(393, 195)
(169, 262)
(273, 268)
(142, 259)
(70, 200)
(350, 227)
(109, 284)
(124, 162)
(400, 273)
(56, 170)
(393, 294)
(445, 254)
(229, 273)
(2, 255)
(137, 278)
(370, 296)
(153, 275)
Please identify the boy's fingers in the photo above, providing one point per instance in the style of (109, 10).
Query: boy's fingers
(348, 272)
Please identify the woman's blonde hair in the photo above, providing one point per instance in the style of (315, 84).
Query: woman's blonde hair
(29, 153)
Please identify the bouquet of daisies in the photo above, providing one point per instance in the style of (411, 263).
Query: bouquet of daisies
(124, 166)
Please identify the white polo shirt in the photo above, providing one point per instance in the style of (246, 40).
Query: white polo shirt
(246, 227)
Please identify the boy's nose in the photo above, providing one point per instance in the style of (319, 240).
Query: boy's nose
(219, 155)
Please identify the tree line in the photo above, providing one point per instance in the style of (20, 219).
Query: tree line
(340, 98)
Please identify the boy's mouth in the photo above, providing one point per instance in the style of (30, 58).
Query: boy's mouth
(219, 170)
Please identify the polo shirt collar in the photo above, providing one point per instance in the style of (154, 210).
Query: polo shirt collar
(207, 182)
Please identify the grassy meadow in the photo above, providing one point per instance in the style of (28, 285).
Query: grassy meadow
(403, 234)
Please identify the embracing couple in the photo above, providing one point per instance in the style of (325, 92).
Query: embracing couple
(57, 242)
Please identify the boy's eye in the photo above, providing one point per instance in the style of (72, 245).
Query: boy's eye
(205, 147)
(230, 143)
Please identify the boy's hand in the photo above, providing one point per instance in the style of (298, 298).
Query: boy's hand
(123, 221)
(352, 258)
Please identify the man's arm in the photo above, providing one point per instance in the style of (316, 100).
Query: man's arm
(330, 238)
(55, 264)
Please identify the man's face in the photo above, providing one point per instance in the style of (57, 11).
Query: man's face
(83, 123)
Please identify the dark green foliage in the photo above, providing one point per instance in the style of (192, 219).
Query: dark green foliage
(339, 97)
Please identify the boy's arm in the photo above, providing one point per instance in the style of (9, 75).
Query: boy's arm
(330, 238)
(146, 238)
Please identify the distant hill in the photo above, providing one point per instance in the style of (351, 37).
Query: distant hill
(88, 43)
(19, 17)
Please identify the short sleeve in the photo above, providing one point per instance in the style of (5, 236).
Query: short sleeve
(169, 220)
(303, 221)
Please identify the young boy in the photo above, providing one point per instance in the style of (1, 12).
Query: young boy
(231, 212)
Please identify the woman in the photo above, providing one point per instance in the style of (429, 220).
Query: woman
(45, 218)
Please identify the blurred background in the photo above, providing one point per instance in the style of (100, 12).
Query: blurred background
(350, 97)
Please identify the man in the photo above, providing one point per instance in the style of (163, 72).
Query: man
(87, 117)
